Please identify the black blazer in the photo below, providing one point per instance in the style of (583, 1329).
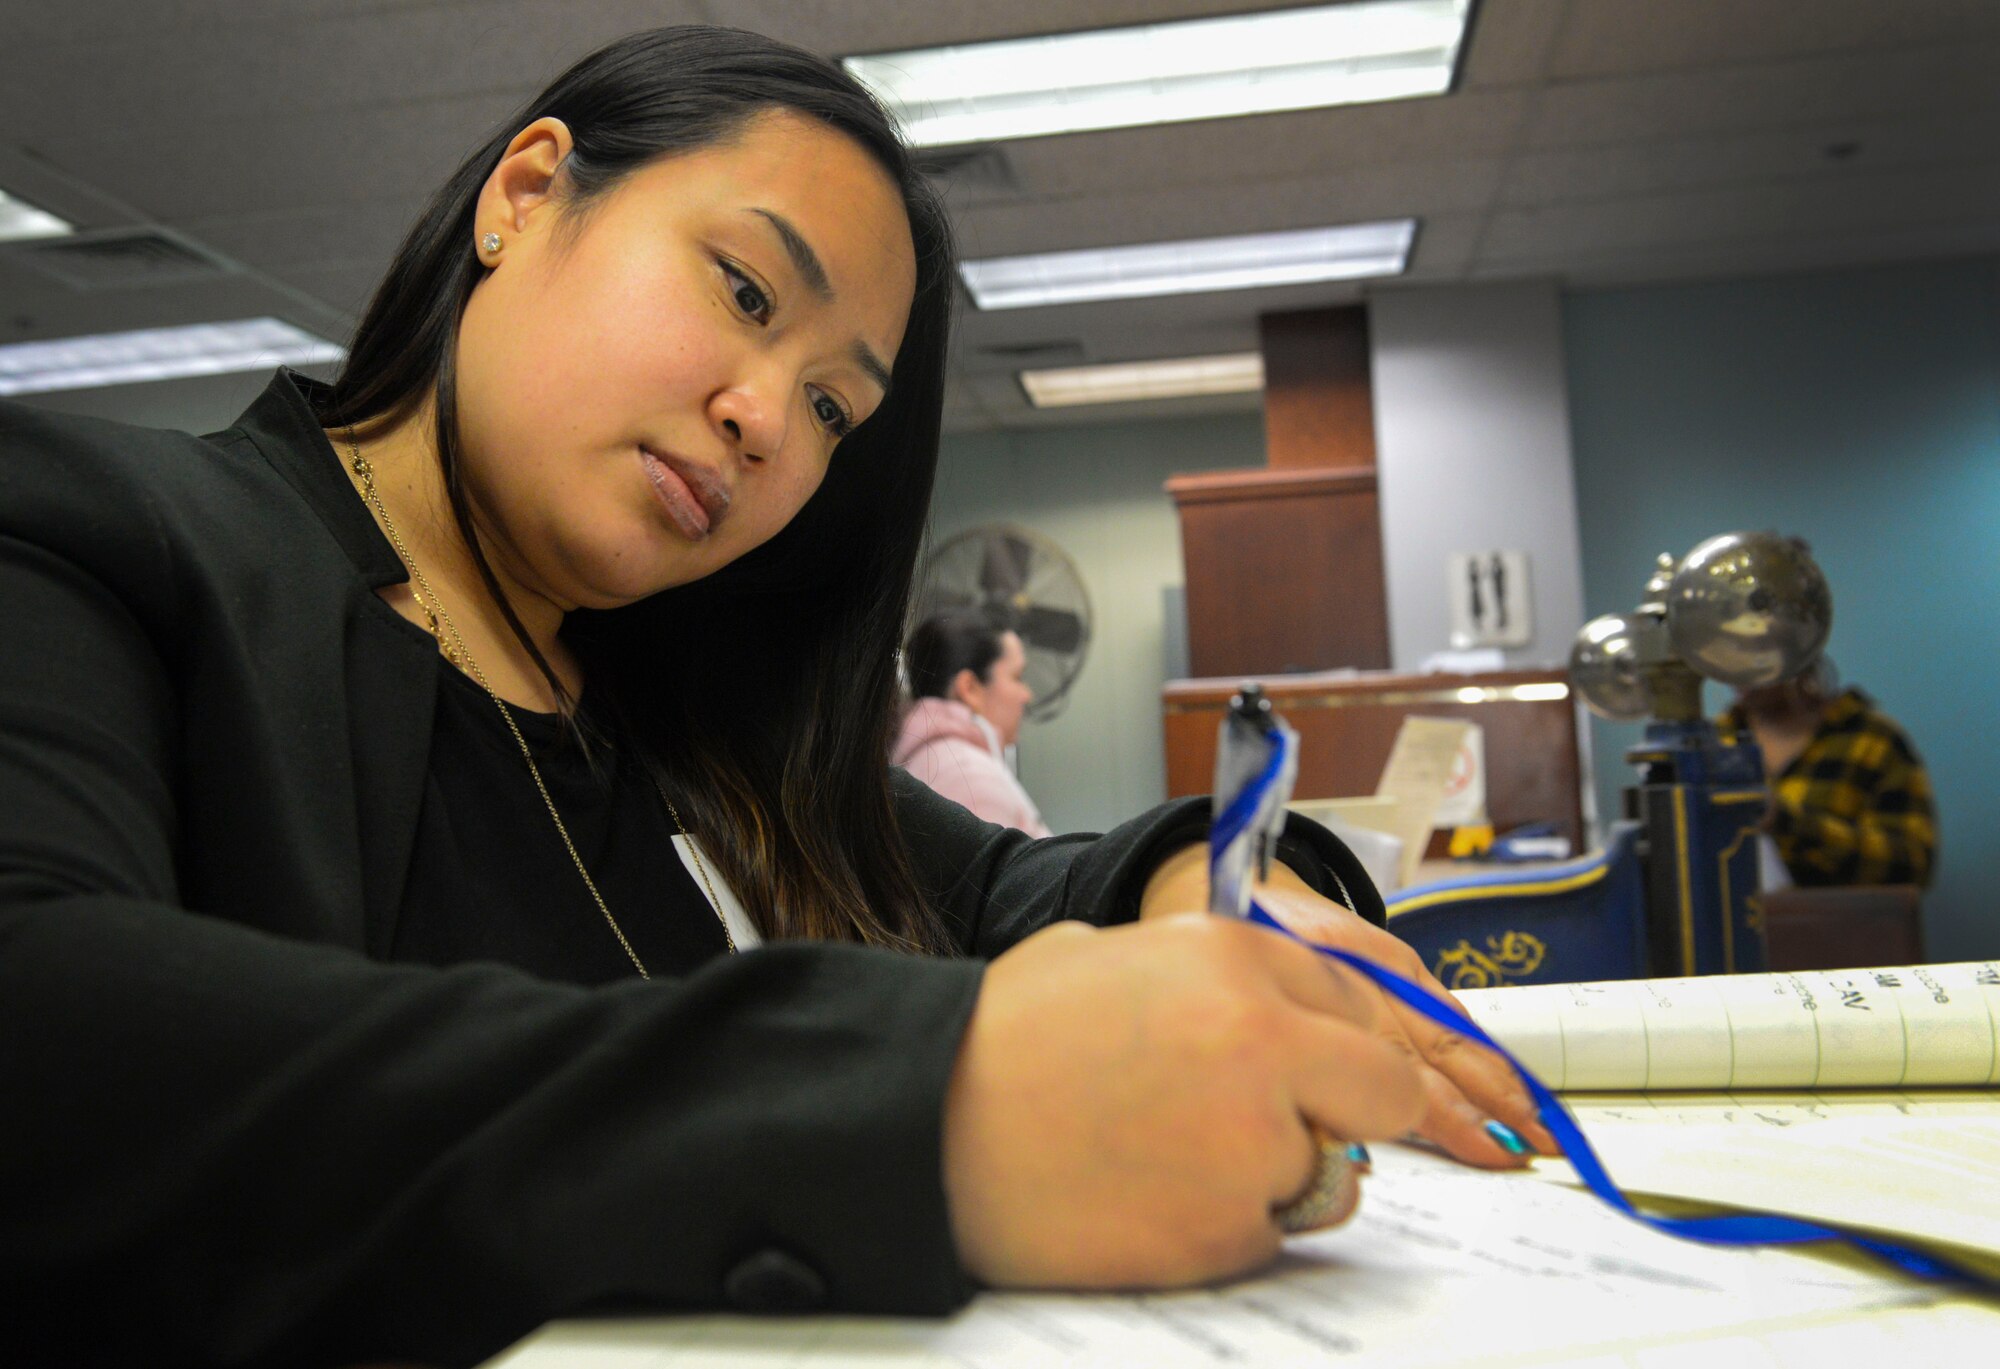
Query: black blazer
(235, 1135)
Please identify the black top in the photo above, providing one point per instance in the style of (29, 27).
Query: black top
(238, 1132)
(491, 880)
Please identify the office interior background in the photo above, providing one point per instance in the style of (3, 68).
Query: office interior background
(1678, 267)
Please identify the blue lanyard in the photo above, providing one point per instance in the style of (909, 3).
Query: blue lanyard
(1748, 1228)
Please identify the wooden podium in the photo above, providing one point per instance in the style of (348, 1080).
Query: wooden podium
(1347, 723)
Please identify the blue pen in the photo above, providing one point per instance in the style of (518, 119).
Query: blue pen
(1252, 740)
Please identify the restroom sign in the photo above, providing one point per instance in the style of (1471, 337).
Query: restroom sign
(1489, 599)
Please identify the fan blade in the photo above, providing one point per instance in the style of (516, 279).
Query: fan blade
(1050, 701)
(1005, 570)
(936, 600)
(1050, 629)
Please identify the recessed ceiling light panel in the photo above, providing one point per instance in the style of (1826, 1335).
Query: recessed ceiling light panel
(203, 349)
(20, 220)
(1118, 382)
(1345, 252)
(1303, 58)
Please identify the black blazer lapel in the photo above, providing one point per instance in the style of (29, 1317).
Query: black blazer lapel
(391, 668)
(392, 675)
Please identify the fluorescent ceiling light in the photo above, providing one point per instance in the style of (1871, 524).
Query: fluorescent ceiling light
(1165, 73)
(20, 220)
(202, 349)
(1234, 373)
(1347, 252)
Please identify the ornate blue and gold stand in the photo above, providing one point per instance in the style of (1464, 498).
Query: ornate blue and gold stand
(1699, 800)
(1674, 892)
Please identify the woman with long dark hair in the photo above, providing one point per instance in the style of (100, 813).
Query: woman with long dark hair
(449, 877)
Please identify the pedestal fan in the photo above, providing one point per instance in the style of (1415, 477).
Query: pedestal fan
(1022, 581)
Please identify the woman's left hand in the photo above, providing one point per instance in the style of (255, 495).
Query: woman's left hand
(1465, 1084)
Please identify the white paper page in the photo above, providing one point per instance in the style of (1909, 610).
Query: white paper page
(1444, 1266)
(1930, 1177)
(1959, 1333)
(1890, 1027)
(1779, 1108)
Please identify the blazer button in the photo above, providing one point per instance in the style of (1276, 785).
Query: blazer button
(772, 1281)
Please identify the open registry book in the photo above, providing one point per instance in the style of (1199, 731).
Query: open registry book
(1864, 1098)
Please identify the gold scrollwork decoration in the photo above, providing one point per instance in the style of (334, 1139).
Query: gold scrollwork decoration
(1509, 956)
(1753, 916)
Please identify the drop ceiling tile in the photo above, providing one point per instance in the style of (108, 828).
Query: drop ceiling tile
(183, 83)
(37, 309)
(1173, 213)
(75, 20)
(1867, 204)
(1445, 247)
(1826, 151)
(343, 288)
(363, 230)
(1760, 257)
(1376, 138)
(1606, 37)
(1511, 43)
(303, 161)
(1777, 94)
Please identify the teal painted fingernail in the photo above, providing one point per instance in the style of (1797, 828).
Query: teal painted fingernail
(1357, 1155)
(1504, 1134)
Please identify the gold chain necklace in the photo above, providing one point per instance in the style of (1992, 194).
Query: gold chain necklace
(452, 643)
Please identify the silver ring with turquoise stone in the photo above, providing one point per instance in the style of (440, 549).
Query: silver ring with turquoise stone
(1335, 1190)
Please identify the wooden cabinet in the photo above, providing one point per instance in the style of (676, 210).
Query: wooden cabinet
(1284, 570)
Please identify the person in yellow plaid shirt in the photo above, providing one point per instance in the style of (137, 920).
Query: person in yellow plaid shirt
(1850, 799)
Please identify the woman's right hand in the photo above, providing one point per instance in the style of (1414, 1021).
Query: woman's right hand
(1130, 1105)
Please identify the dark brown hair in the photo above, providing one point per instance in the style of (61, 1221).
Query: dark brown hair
(946, 643)
(761, 697)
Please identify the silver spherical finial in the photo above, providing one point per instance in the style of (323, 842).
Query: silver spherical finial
(1749, 608)
(1604, 668)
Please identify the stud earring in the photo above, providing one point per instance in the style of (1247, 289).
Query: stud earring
(490, 243)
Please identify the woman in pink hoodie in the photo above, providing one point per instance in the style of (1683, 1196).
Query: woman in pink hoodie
(965, 675)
